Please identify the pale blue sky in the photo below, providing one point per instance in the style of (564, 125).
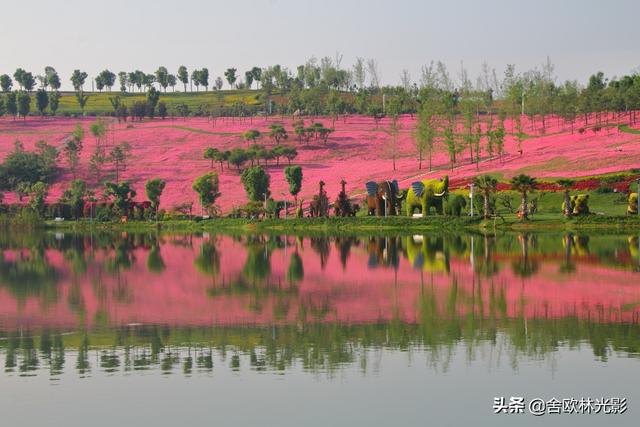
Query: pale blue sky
(580, 36)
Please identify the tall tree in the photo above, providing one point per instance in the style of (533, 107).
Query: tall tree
(162, 77)
(293, 175)
(487, 186)
(54, 102)
(42, 100)
(77, 79)
(183, 76)
(5, 83)
(230, 75)
(524, 184)
(24, 103)
(207, 187)
(248, 78)
(425, 134)
(154, 188)
(123, 79)
(256, 183)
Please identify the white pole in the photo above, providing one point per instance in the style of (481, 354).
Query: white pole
(471, 197)
(638, 193)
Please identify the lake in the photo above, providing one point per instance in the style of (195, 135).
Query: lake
(318, 330)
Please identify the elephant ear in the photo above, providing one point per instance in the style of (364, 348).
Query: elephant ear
(372, 188)
(395, 186)
(418, 188)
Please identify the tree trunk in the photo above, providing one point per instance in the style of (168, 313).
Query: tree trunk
(486, 205)
(524, 209)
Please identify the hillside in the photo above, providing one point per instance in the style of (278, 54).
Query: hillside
(357, 151)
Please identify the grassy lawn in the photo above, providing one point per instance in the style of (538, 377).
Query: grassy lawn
(99, 103)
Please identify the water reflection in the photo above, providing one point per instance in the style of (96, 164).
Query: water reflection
(131, 302)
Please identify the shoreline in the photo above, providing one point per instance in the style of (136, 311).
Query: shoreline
(361, 224)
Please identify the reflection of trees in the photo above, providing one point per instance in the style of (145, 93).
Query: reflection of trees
(488, 266)
(257, 267)
(155, 263)
(29, 274)
(343, 245)
(208, 259)
(295, 272)
(321, 246)
(525, 266)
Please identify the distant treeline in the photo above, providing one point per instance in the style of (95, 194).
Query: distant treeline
(320, 87)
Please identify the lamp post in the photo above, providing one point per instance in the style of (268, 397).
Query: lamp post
(471, 187)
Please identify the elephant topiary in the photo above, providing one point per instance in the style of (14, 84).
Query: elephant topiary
(455, 204)
(579, 204)
(427, 253)
(384, 198)
(632, 209)
(426, 194)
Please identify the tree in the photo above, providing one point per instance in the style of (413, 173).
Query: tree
(487, 185)
(123, 79)
(293, 175)
(248, 78)
(162, 110)
(566, 184)
(251, 135)
(256, 183)
(238, 157)
(360, 72)
(211, 154)
(523, 184)
(82, 99)
(162, 77)
(107, 78)
(12, 104)
(183, 76)
(77, 80)
(425, 134)
(172, 81)
(42, 100)
(450, 142)
(218, 83)
(290, 153)
(395, 127)
(119, 155)
(27, 81)
(204, 78)
(195, 79)
(278, 132)
(207, 187)
(5, 83)
(183, 110)
(24, 103)
(53, 78)
(256, 72)
(122, 195)
(154, 188)
(54, 102)
(230, 75)
(37, 196)
(75, 196)
(153, 96)
(73, 147)
(99, 130)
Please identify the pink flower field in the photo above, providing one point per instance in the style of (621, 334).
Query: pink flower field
(357, 151)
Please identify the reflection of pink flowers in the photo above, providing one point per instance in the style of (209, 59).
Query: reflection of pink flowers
(183, 296)
(173, 150)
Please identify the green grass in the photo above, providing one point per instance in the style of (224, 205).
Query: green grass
(628, 129)
(99, 104)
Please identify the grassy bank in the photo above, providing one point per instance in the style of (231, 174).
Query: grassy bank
(363, 224)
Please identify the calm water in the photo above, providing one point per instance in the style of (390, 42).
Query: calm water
(147, 329)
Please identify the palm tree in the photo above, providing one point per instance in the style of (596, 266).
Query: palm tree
(523, 184)
(566, 184)
(487, 185)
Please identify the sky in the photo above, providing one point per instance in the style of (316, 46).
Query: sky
(580, 36)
